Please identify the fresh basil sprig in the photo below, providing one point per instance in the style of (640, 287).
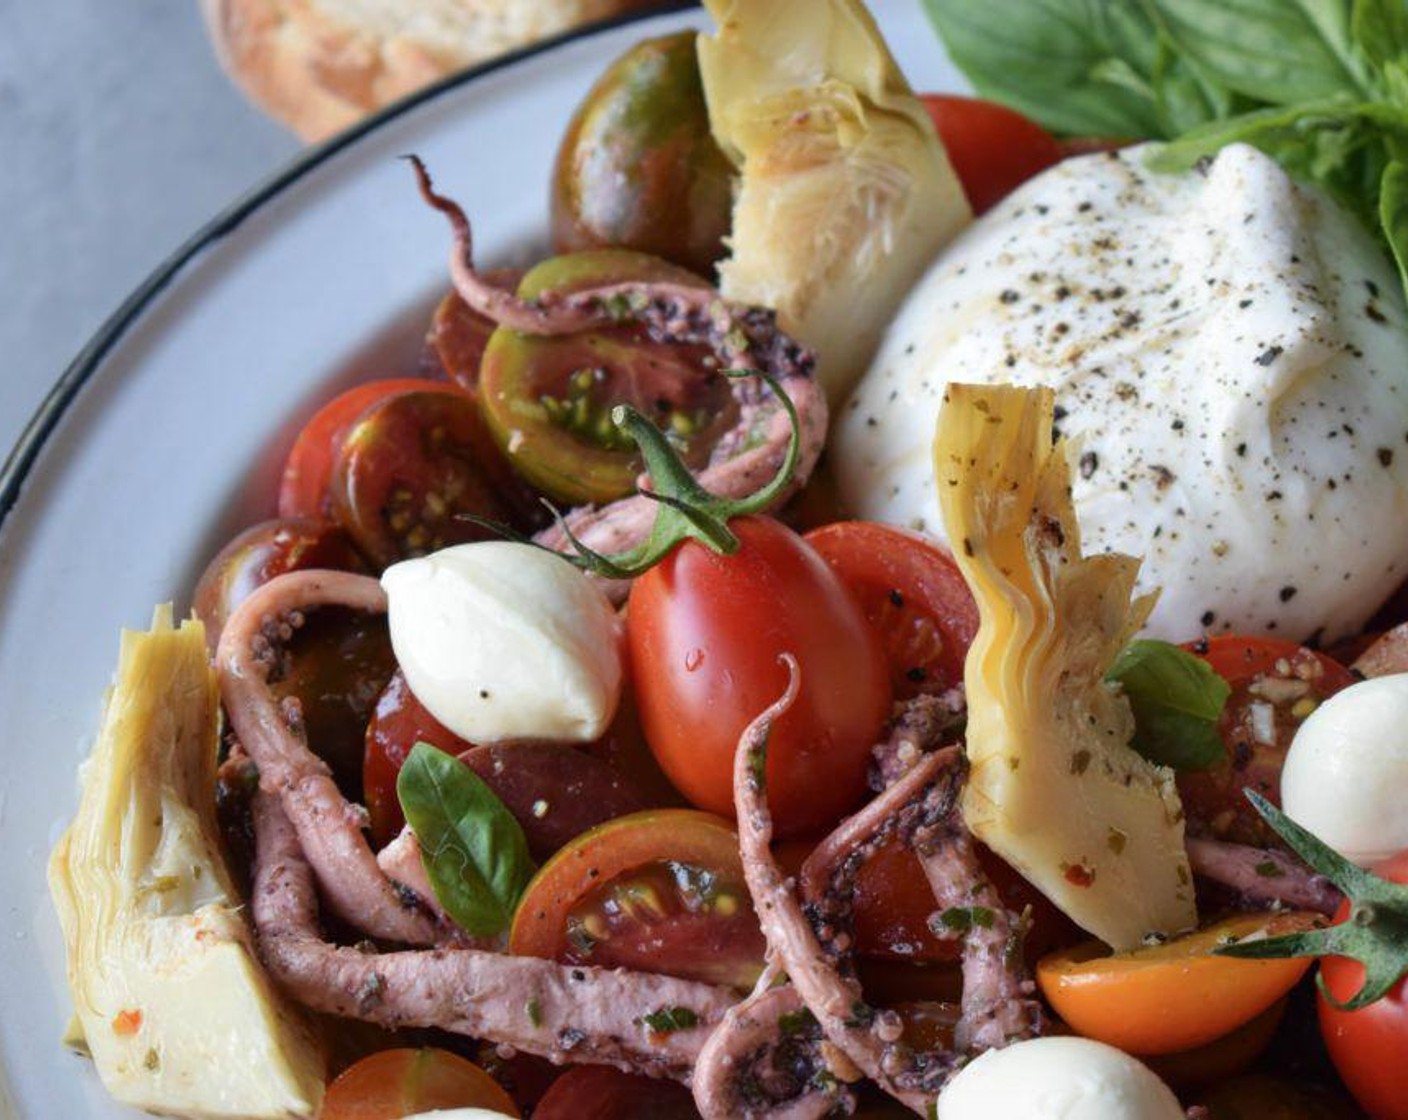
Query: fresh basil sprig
(1177, 699)
(472, 848)
(1319, 85)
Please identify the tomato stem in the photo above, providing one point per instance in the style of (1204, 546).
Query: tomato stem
(1375, 932)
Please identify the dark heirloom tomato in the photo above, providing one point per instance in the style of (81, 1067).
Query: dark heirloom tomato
(638, 167)
(263, 551)
(548, 401)
(556, 791)
(1369, 1046)
(303, 490)
(603, 1093)
(661, 891)
(993, 149)
(1259, 1097)
(395, 1083)
(706, 633)
(398, 723)
(1275, 685)
(408, 470)
(458, 334)
(339, 663)
(912, 593)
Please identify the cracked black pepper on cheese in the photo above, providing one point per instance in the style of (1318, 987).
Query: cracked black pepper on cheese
(1230, 361)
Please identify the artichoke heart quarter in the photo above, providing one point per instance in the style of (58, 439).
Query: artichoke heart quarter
(172, 1003)
(1054, 788)
(845, 193)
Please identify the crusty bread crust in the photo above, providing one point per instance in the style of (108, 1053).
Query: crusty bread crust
(319, 65)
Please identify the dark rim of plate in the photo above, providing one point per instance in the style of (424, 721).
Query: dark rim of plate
(25, 455)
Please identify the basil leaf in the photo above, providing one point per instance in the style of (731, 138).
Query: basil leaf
(1393, 213)
(1380, 28)
(1176, 699)
(472, 848)
(1072, 65)
(1279, 51)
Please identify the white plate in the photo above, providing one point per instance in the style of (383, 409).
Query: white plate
(167, 432)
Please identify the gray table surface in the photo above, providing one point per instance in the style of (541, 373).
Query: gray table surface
(119, 137)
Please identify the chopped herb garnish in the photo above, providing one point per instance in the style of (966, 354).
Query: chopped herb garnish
(666, 1020)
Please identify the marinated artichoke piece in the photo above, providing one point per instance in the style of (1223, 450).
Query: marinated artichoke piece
(169, 997)
(845, 192)
(1055, 788)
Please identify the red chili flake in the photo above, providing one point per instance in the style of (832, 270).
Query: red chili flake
(126, 1022)
(1078, 874)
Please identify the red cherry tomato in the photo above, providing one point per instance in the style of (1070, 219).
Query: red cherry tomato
(409, 469)
(706, 633)
(398, 723)
(993, 149)
(1275, 685)
(603, 1093)
(912, 593)
(303, 491)
(1369, 1046)
(391, 1084)
(661, 891)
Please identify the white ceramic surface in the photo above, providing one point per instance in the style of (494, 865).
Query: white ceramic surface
(187, 402)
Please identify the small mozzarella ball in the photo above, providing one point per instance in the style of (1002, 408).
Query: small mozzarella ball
(1346, 775)
(1057, 1079)
(506, 641)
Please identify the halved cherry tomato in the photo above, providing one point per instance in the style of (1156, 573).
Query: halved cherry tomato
(603, 1093)
(411, 466)
(894, 902)
(548, 400)
(340, 660)
(661, 891)
(993, 149)
(706, 632)
(398, 723)
(458, 334)
(1174, 996)
(1275, 685)
(1222, 1058)
(1370, 1046)
(912, 593)
(303, 491)
(395, 1083)
(261, 552)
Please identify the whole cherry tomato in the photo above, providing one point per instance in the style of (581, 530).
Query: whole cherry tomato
(1369, 1046)
(706, 633)
(1275, 685)
(993, 149)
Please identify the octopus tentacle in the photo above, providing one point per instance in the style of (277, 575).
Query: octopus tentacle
(999, 1003)
(764, 1060)
(329, 827)
(747, 456)
(560, 1012)
(1262, 876)
(832, 996)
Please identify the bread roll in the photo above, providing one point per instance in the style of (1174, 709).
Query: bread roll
(319, 65)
